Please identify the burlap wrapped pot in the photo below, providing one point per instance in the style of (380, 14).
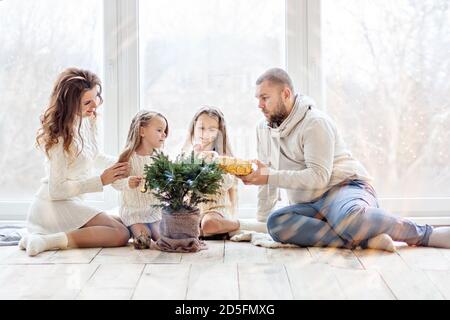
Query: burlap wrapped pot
(180, 231)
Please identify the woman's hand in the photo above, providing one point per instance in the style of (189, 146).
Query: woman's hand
(119, 170)
(134, 181)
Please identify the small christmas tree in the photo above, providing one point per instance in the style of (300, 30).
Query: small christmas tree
(180, 186)
(183, 184)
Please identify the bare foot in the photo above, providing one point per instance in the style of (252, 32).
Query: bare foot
(381, 242)
(214, 223)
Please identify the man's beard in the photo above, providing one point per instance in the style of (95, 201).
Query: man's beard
(279, 116)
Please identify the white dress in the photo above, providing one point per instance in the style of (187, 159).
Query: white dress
(58, 205)
(135, 206)
(222, 201)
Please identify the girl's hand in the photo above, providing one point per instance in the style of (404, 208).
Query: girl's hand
(134, 181)
(208, 156)
(118, 171)
(198, 148)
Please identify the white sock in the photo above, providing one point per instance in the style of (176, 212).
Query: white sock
(266, 241)
(241, 235)
(253, 225)
(440, 238)
(39, 243)
(381, 242)
(23, 242)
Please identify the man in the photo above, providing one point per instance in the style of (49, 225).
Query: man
(332, 201)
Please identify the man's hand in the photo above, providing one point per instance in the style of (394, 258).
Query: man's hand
(257, 177)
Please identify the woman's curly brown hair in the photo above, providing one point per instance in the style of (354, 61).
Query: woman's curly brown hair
(64, 109)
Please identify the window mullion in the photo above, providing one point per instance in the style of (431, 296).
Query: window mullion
(121, 76)
(297, 44)
(128, 64)
(314, 38)
(304, 47)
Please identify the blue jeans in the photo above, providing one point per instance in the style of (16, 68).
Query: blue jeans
(345, 217)
(149, 226)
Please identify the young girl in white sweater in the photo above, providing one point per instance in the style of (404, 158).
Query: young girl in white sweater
(148, 131)
(208, 134)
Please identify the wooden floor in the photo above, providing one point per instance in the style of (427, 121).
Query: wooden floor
(227, 270)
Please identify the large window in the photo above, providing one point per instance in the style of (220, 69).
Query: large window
(38, 40)
(209, 53)
(380, 68)
(387, 86)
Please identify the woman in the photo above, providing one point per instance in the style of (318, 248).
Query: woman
(58, 217)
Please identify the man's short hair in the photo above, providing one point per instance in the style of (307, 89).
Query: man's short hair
(276, 76)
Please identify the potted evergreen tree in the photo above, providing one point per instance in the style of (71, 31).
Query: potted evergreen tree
(180, 186)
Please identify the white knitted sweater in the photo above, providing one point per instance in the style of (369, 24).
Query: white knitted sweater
(135, 206)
